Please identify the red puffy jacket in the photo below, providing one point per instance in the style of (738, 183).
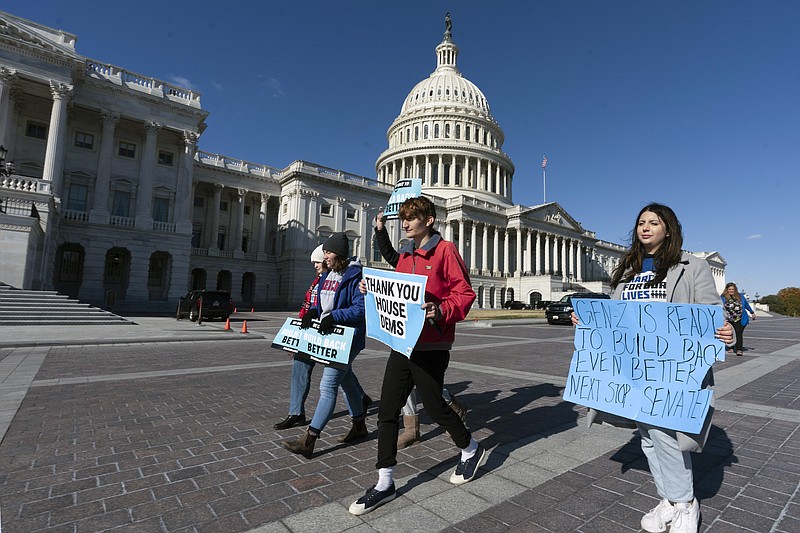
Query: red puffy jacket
(448, 284)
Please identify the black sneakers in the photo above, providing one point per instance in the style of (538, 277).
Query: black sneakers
(367, 401)
(466, 470)
(290, 422)
(372, 499)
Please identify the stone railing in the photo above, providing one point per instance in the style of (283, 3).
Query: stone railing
(20, 183)
(124, 222)
(119, 76)
(200, 252)
(164, 227)
(75, 216)
(311, 168)
(238, 165)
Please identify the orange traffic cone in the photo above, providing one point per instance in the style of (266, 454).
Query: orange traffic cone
(244, 326)
(228, 325)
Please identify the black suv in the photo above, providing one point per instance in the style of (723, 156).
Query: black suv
(560, 312)
(215, 304)
(514, 304)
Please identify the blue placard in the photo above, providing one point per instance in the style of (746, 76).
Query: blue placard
(405, 189)
(393, 305)
(331, 349)
(645, 361)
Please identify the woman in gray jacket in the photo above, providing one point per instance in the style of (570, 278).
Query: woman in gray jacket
(656, 269)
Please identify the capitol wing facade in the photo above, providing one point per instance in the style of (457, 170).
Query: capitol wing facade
(110, 200)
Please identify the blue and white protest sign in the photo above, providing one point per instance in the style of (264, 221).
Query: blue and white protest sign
(331, 349)
(405, 189)
(645, 361)
(393, 305)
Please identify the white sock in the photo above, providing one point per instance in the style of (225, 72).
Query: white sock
(470, 450)
(384, 478)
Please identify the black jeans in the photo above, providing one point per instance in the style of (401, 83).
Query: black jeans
(739, 329)
(426, 370)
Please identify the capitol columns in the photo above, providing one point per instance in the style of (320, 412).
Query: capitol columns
(53, 171)
(581, 258)
(530, 251)
(8, 90)
(538, 259)
(99, 213)
(547, 270)
(496, 255)
(461, 238)
(506, 243)
(183, 188)
(261, 243)
(241, 196)
(484, 250)
(212, 237)
(144, 189)
(519, 266)
(473, 245)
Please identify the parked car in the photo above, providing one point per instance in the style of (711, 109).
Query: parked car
(514, 304)
(560, 312)
(215, 304)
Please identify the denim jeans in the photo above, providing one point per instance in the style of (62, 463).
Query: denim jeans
(332, 379)
(671, 468)
(301, 383)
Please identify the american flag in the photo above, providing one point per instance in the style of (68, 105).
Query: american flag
(544, 161)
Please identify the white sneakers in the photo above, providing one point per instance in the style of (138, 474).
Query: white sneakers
(684, 517)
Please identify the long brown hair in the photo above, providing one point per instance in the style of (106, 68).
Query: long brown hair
(340, 263)
(736, 295)
(667, 255)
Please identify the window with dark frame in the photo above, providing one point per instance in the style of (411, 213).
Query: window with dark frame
(84, 140)
(127, 150)
(36, 130)
(165, 158)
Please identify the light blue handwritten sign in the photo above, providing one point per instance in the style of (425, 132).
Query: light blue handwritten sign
(405, 189)
(393, 308)
(331, 349)
(645, 361)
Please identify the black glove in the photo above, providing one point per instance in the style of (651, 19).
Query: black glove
(310, 315)
(326, 325)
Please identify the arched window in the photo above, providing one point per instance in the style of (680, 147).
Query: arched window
(458, 131)
(416, 133)
(447, 131)
(425, 132)
(435, 131)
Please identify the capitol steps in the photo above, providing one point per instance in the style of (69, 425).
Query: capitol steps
(20, 307)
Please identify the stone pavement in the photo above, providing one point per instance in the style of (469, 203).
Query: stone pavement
(166, 426)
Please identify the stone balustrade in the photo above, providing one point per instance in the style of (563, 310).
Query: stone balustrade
(124, 78)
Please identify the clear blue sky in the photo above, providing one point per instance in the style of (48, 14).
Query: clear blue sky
(692, 104)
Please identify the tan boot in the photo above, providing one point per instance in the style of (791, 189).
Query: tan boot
(303, 446)
(459, 409)
(410, 433)
(357, 432)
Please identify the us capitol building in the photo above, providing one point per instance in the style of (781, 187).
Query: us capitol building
(106, 197)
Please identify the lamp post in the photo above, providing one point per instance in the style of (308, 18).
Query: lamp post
(756, 297)
(6, 168)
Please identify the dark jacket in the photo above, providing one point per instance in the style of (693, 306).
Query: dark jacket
(348, 304)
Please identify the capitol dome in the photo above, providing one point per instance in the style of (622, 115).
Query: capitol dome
(445, 135)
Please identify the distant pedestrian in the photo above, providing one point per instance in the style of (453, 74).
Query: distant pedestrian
(738, 312)
(341, 302)
(656, 261)
(448, 297)
(302, 367)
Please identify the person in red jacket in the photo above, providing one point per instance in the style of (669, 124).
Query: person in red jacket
(448, 298)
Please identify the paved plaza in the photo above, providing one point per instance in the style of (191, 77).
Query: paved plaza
(166, 426)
